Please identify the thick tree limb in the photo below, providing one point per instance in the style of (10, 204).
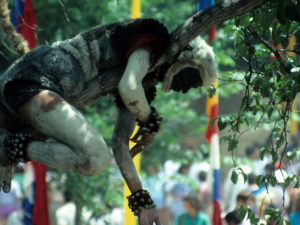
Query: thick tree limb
(197, 24)
(202, 21)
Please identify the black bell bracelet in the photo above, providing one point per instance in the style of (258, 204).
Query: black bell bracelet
(138, 200)
(153, 123)
(16, 145)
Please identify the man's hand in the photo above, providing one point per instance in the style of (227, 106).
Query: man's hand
(142, 140)
(146, 132)
(148, 216)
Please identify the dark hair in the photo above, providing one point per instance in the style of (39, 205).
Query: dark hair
(193, 200)
(232, 217)
(251, 178)
(202, 175)
(244, 195)
(296, 202)
(182, 168)
(250, 150)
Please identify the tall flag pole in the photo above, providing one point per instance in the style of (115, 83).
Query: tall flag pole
(211, 134)
(129, 218)
(294, 124)
(35, 186)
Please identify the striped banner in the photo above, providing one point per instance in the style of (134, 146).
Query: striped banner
(35, 186)
(211, 134)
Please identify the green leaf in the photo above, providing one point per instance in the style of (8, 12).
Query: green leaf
(234, 176)
(260, 180)
(211, 91)
(287, 222)
(222, 122)
(232, 144)
(244, 20)
(297, 183)
(252, 217)
(272, 180)
(242, 49)
(291, 154)
(270, 211)
(212, 122)
(241, 212)
(288, 180)
(262, 152)
(245, 176)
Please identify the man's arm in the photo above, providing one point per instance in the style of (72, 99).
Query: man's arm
(130, 86)
(120, 144)
(123, 129)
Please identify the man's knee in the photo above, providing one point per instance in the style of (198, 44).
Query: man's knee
(94, 162)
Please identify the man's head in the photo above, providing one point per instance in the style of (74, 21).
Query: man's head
(232, 218)
(245, 198)
(252, 152)
(194, 67)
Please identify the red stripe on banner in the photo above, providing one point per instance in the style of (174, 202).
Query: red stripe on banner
(26, 24)
(216, 219)
(40, 209)
(214, 112)
(40, 216)
(212, 34)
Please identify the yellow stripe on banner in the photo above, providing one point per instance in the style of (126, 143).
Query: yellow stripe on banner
(210, 102)
(291, 45)
(294, 124)
(129, 218)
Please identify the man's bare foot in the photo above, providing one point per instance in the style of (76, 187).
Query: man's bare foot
(5, 178)
(6, 166)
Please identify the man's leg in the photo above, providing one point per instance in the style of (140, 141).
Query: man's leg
(77, 146)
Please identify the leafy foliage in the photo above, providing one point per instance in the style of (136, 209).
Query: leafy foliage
(271, 83)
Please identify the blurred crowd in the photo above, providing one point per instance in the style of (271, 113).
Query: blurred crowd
(183, 197)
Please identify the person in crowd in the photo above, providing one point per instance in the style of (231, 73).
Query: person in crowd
(193, 214)
(231, 190)
(155, 182)
(203, 190)
(295, 214)
(232, 218)
(10, 202)
(254, 162)
(181, 186)
(245, 199)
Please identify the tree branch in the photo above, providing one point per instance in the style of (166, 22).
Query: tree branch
(202, 21)
(197, 24)
(271, 48)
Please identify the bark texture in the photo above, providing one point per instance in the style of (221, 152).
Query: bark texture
(194, 26)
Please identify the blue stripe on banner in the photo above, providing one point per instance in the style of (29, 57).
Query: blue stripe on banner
(203, 4)
(216, 190)
(17, 10)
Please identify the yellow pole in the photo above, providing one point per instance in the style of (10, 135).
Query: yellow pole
(129, 218)
(135, 9)
(294, 124)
